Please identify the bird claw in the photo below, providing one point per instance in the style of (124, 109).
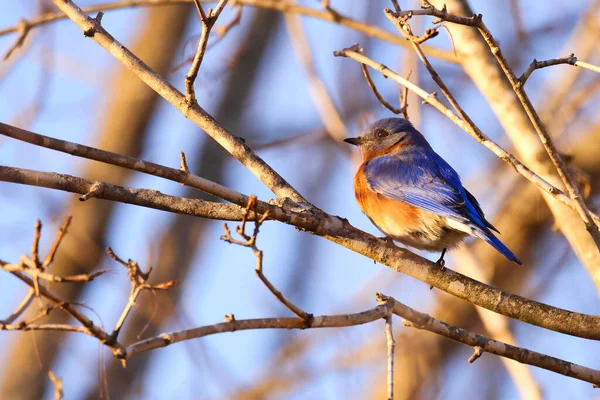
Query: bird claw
(389, 241)
(441, 263)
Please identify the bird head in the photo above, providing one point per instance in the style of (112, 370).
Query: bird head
(385, 135)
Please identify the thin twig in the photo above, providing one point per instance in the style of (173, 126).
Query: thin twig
(535, 64)
(371, 84)
(58, 386)
(35, 256)
(391, 345)
(59, 237)
(250, 242)
(208, 22)
(138, 280)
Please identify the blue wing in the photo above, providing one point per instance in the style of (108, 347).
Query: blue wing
(423, 179)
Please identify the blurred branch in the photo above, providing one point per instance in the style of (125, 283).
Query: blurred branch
(23, 29)
(57, 383)
(355, 53)
(582, 41)
(330, 117)
(498, 328)
(277, 5)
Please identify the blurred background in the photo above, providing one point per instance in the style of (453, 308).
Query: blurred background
(274, 81)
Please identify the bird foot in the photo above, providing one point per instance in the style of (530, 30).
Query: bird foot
(441, 263)
(389, 240)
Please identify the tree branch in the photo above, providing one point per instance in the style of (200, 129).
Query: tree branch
(208, 21)
(140, 197)
(484, 344)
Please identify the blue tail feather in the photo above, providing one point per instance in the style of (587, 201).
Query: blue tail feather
(498, 245)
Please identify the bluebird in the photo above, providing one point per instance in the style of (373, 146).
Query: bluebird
(412, 195)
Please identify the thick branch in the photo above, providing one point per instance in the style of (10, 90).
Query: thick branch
(484, 344)
(140, 197)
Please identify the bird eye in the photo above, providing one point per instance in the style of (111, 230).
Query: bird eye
(381, 133)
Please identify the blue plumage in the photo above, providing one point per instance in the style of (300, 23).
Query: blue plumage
(401, 165)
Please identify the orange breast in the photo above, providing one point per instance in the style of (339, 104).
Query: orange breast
(392, 217)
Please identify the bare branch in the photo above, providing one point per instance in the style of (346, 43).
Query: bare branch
(250, 242)
(138, 280)
(88, 328)
(140, 197)
(423, 321)
(23, 28)
(234, 145)
(338, 230)
(57, 383)
(330, 117)
(208, 21)
(341, 232)
(232, 325)
(535, 64)
(371, 84)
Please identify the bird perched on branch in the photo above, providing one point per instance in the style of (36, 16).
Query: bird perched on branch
(412, 195)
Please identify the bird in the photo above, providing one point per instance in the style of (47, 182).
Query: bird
(413, 195)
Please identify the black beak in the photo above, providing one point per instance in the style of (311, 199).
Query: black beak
(355, 141)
